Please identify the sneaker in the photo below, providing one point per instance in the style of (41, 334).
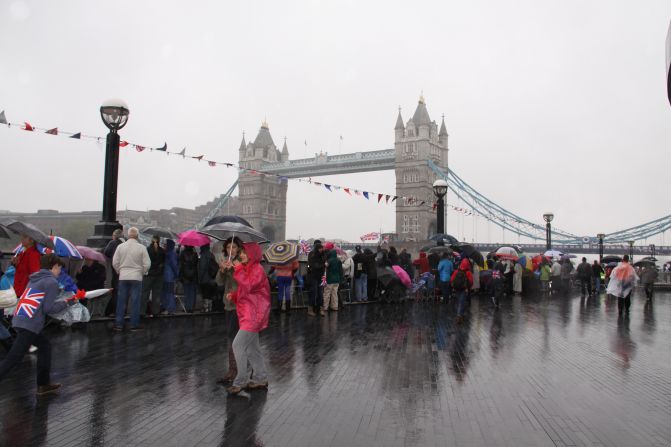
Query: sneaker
(47, 389)
(233, 390)
(322, 312)
(117, 329)
(137, 329)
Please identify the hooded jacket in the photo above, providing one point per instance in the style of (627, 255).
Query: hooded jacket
(171, 269)
(334, 269)
(38, 300)
(252, 297)
(207, 267)
(465, 267)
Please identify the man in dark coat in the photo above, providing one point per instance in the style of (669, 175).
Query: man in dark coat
(360, 275)
(584, 272)
(153, 282)
(110, 249)
(371, 269)
(316, 270)
(207, 276)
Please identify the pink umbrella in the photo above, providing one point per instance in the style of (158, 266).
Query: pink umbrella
(192, 238)
(402, 276)
(94, 255)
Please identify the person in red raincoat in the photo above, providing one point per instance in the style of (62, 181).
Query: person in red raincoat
(422, 263)
(252, 303)
(27, 262)
(462, 281)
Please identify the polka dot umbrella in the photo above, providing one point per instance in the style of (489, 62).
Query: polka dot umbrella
(281, 252)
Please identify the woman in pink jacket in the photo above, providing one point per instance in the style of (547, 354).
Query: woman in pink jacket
(252, 303)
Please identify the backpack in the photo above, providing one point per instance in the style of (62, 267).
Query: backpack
(460, 281)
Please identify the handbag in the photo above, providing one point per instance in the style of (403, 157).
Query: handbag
(8, 298)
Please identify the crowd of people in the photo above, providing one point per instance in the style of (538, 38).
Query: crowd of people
(230, 278)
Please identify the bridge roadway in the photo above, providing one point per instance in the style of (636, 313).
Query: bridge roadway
(324, 164)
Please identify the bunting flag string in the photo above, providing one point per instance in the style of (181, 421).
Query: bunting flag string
(411, 201)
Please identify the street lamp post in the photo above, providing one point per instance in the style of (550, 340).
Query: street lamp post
(114, 114)
(601, 236)
(631, 251)
(652, 250)
(548, 230)
(440, 189)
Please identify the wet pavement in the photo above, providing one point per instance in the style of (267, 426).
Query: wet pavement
(537, 372)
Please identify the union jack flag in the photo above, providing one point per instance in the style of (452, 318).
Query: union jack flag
(29, 303)
(305, 247)
(370, 237)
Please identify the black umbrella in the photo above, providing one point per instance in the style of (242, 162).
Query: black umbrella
(224, 219)
(160, 232)
(386, 275)
(470, 252)
(225, 230)
(448, 239)
(3, 232)
(440, 249)
(31, 231)
(645, 263)
(610, 258)
(649, 258)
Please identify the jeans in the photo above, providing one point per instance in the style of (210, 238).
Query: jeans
(649, 290)
(153, 285)
(446, 289)
(585, 285)
(597, 285)
(284, 288)
(24, 339)
(624, 304)
(462, 296)
(4, 333)
(247, 352)
(168, 296)
(316, 294)
(129, 291)
(189, 295)
(361, 287)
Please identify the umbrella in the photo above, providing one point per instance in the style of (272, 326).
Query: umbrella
(610, 258)
(645, 263)
(402, 276)
(160, 232)
(192, 238)
(96, 293)
(3, 232)
(448, 239)
(386, 275)
(611, 264)
(62, 247)
(441, 249)
(649, 258)
(508, 252)
(281, 252)
(224, 230)
(29, 230)
(93, 255)
(224, 219)
(553, 254)
(471, 252)
(507, 256)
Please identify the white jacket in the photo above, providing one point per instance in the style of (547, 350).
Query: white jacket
(131, 261)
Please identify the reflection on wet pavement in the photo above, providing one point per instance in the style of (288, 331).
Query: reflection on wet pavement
(538, 371)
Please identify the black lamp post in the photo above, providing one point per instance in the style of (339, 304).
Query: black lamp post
(548, 230)
(440, 189)
(600, 236)
(114, 114)
(631, 251)
(652, 250)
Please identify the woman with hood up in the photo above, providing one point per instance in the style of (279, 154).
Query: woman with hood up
(462, 281)
(226, 281)
(252, 303)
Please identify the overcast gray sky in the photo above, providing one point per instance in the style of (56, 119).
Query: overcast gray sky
(550, 105)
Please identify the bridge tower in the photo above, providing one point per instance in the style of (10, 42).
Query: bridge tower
(416, 142)
(263, 198)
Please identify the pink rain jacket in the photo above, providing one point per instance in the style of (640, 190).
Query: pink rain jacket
(252, 298)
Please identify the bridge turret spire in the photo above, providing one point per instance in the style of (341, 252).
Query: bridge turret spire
(442, 135)
(243, 144)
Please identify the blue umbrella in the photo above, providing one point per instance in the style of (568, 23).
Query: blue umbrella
(62, 247)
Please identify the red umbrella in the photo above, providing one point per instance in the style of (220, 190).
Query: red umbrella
(192, 238)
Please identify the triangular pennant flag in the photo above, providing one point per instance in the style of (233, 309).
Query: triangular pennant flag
(77, 136)
(379, 197)
(212, 163)
(3, 118)
(356, 191)
(327, 187)
(53, 131)
(347, 191)
(386, 198)
(199, 158)
(365, 194)
(229, 165)
(28, 127)
(422, 203)
(123, 143)
(317, 183)
(183, 152)
(139, 148)
(164, 148)
(395, 197)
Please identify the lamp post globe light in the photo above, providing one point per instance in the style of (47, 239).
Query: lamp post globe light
(548, 230)
(114, 114)
(601, 236)
(440, 189)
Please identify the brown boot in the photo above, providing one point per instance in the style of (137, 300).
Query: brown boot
(322, 312)
(46, 389)
(232, 366)
(311, 311)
